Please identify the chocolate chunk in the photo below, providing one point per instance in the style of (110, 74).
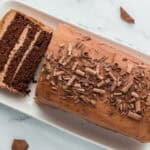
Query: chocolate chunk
(19, 144)
(125, 16)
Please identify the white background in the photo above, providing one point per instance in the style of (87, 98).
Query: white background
(100, 16)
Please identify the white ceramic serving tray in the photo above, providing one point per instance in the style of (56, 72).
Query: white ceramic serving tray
(64, 121)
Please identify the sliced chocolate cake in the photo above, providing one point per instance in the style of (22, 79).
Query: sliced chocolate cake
(23, 43)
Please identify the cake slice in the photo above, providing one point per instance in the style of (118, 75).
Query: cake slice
(23, 42)
(96, 80)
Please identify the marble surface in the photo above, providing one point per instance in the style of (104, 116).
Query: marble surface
(100, 16)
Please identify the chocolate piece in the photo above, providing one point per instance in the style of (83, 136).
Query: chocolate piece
(80, 72)
(125, 16)
(19, 144)
(117, 94)
(134, 116)
(67, 61)
(74, 66)
(127, 86)
(138, 106)
(100, 84)
(112, 75)
(90, 71)
(77, 85)
(99, 91)
(69, 49)
(58, 73)
(70, 82)
(134, 94)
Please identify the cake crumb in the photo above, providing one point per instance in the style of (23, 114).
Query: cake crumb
(125, 16)
(19, 144)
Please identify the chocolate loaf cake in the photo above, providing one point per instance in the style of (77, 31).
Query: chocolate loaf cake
(92, 78)
(23, 42)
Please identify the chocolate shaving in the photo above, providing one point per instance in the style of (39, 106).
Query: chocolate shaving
(107, 81)
(118, 101)
(129, 68)
(52, 83)
(80, 90)
(99, 91)
(79, 45)
(74, 66)
(142, 66)
(134, 116)
(119, 83)
(80, 72)
(90, 71)
(121, 107)
(54, 88)
(58, 73)
(131, 106)
(70, 82)
(126, 17)
(93, 102)
(77, 85)
(86, 38)
(118, 94)
(67, 61)
(134, 94)
(113, 86)
(100, 77)
(138, 106)
(69, 49)
(128, 86)
(112, 75)
(84, 99)
(132, 100)
(98, 69)
(100, 84)
(148, 85)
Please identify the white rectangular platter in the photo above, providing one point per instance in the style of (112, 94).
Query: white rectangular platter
(64, 121)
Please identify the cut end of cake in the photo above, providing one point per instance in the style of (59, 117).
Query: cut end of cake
(23, 43)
